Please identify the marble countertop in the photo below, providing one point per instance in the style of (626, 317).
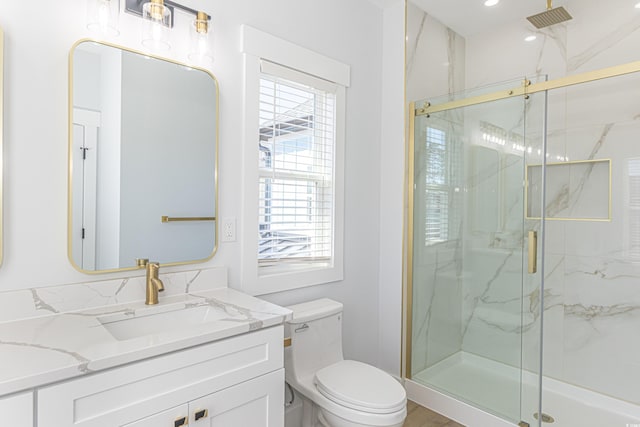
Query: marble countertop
(43, 350)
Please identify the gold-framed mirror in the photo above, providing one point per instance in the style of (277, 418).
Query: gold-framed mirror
(143, 159)
(1, 143)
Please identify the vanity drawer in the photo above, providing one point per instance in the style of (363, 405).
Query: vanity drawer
(129, 393)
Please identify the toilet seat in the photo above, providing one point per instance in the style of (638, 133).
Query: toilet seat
(361, 387)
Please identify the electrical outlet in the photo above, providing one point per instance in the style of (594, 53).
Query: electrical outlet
(228, 230)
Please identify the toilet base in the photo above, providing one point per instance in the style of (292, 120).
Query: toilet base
(314, 416)
(328, 419)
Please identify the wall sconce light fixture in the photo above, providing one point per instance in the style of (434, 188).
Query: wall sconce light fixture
(102, 17)
(156, 25)
(158, 21)
(200, 47)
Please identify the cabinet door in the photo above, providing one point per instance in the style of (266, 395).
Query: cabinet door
(256, 403)
(174, 417)
(17, 410)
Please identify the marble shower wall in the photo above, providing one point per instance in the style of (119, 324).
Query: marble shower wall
(435, 57)
(592, 268)
(592, 295)
(435, 66)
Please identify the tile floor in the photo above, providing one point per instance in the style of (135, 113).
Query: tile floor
(418, 416)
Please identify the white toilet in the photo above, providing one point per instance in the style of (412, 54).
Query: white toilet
(337, 392)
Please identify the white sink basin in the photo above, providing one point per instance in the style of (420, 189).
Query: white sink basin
(124, 327)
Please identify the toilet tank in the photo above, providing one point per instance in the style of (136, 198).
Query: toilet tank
(316, 337)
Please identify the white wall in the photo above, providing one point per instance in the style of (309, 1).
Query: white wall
(391, 182)
(35, 144)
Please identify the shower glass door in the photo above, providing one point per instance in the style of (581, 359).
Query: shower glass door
(475, 304)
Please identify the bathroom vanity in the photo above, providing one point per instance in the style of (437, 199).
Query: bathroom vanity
(208, 358)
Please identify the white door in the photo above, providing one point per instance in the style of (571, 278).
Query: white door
(255, 403)
(84, 157)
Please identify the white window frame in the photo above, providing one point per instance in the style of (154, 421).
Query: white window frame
(257, 48)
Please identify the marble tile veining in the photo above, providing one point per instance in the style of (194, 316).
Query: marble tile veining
(37, 350)
(38, 302)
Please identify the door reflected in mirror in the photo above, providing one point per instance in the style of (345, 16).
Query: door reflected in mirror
(143, 146)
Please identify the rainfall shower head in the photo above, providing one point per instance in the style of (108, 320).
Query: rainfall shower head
(551, 16)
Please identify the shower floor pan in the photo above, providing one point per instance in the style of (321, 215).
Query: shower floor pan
(494, 387)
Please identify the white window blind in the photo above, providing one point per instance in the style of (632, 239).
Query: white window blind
(296, 167)
(442, 197)
(437, 192)
(634, 208)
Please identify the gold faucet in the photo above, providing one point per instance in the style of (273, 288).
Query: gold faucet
(154, 284)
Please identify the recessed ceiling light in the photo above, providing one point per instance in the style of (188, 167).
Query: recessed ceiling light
(530, 38)
(491, 2)
(637, 5)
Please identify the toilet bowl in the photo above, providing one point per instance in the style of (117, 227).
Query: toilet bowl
(337, 392)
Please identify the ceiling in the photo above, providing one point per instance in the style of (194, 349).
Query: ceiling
(468, 17)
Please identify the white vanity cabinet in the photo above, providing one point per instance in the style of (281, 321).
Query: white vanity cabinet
(254, 403)
(17, 410)
(171, 417)
(237, 381)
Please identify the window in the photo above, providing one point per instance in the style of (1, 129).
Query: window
(442, 191)
(633, 211)
(296, 161)
(437, 193)
(292, 223)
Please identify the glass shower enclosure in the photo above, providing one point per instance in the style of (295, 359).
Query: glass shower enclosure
(506, 185)
(476, 315)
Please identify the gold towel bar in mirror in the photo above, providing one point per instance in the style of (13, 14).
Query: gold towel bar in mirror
(188, 218)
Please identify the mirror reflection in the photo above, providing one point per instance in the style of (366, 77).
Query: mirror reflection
(142, 159)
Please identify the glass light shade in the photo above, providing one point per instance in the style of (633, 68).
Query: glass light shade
(156, 25)
(102, 17)
(200, 43)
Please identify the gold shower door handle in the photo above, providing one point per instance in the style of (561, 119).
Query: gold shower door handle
(533, 252)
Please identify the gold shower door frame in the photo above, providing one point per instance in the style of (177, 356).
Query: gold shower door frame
(526, 89)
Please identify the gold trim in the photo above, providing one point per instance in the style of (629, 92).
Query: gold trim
(1, 143)
(165, 218)
(182, 421)
(405, 145)
(409, 273)
(70, 149)
(202, 23)
(200, 414)
(526, 192)
(590, 76)
(287, 342)
(533, 252)
(474, 100)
